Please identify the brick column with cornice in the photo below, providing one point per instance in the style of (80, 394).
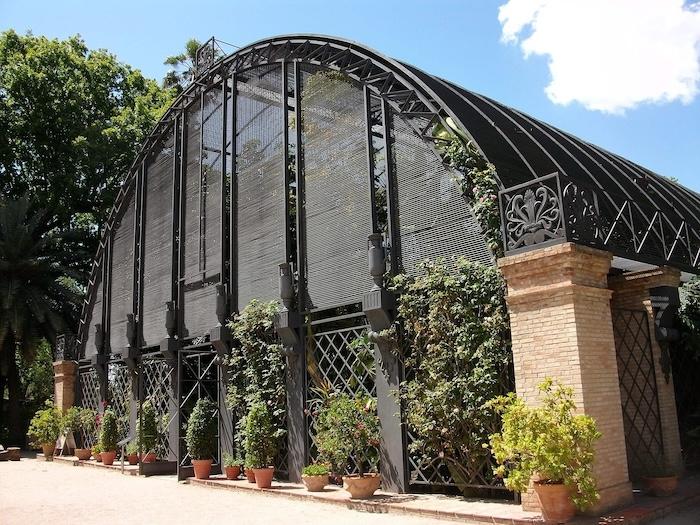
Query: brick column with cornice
(561, 326)
(64, 375)
(632, 291)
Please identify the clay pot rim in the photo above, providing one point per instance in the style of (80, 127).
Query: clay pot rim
(306, 476)
(365, 476)
(548, 482)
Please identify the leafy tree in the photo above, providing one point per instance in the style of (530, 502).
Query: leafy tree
(72, 121)
(182, 66)
(37, 298)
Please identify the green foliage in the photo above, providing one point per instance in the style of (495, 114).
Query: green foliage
(202, 427)
(35, 366)
(97, 448)
(132, 448)
(109, 432)
(455, 323)
(316, 469)
(147, 428)
(232, 461)
(689, 317)
(256, 367)
(46, 425)
(348, 427)
(261, 437)
(547, 440)
(181, 70)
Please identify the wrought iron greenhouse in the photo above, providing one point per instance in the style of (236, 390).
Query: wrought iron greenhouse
(280, 166)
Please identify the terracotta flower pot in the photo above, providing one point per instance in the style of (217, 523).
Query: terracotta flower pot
(133, 459)
(263, 477)
(83, 454)
(555, 502)
(47, 449)
(250, 475)
(315, 483)
(362, 487)
(202, 468)
(233, 472)
(148, 458)
(661, 486)
(108, 457)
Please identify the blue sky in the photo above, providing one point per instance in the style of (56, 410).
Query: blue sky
(460, 40)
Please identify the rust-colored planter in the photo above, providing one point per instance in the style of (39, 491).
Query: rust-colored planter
(47, 449)
(263, 477)
(362, 487)
(148, 458)
(83, 454)
(315, 483)
(98, 457)
(202, 468)
(250, 475)
(232, 472)
(108, 457)
(661, 486)
(555, 502)
(133, 459)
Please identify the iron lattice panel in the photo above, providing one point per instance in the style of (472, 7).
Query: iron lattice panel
(89, 398)
(336, 367)
(638, 392)
(158, 389)
(119, 395)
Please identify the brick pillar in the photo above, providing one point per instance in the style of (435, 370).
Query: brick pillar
(64, 374)
(631, 291)
(561, 325)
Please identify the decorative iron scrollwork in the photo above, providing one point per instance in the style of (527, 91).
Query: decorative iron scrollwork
(66, 348)
(582, 213)
(532, 216)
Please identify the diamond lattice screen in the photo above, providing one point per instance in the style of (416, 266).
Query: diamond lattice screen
(260, 181)
(122, 284)
(434, 219)
(157, 242)
(337, 208)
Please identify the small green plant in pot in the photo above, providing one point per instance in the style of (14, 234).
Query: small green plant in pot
(109, 436)
(45, 427)
(202, 428)
(80, 421)
(315, 477)
(147, 432)
(551, 445)
(132, 453)
(349, 428)
(232, 465)
(260, 444)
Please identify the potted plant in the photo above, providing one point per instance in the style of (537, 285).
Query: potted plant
(109, 437)
(260, 444)
(132, 453)
(550, 445)
(232, 466)
(202, 427)
(45, 427)
(147, 432)
(97, 452)
(349, 428)
(80, 421)
(315, 477)
(661, 481)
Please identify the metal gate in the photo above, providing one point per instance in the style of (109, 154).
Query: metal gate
(638, 392)
(157, 386)
(119, 395)
(89, 392)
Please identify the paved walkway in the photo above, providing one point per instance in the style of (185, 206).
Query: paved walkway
(33, 491)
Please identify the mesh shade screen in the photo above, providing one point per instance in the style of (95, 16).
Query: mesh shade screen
(189, 222)
(260, 222)
(433, 217)
(210, 220)
(95, 317)
(122, 285)
(336, 189)
(157, 242)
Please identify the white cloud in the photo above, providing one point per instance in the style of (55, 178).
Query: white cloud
(610, 55)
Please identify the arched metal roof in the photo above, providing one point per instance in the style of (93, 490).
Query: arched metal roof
(657, 218)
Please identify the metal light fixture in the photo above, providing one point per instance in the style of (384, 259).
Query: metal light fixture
(378, 303)
(287, 321)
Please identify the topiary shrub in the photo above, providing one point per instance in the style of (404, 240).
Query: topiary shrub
(202, 428)
(147, 428)
(261, 438)
(109, 432)
(46, 425)
(549, 441)
(348, 428)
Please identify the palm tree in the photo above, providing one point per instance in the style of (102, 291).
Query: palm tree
(182, 66)
(38, 296)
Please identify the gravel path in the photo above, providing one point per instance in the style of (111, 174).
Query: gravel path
(34, 491)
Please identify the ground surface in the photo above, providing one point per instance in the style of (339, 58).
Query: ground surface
(34, 491)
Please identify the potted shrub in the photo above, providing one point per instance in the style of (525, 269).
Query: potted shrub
(260, 444)
(550, 445)
(315, 477)
(109, 437)
(661, 481)
(80, 421)
(97, 452)
(232, 466)
(147, 432)
(45, 427)
(349, 428)
(202, 427)
(132, 453)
